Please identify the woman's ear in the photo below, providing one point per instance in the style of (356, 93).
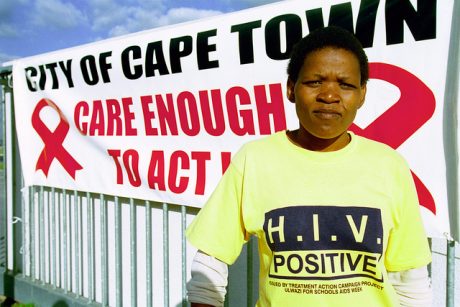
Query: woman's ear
(290, 90)
(363, 95)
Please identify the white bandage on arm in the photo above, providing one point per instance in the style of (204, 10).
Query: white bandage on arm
(209, 280)
(413, 287)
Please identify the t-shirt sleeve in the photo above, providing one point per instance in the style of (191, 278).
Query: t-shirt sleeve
(407, 243)
(218, 229)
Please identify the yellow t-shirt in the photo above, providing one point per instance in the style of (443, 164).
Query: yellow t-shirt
(329, 224)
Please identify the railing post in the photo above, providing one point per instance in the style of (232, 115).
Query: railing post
(13, 180)
(3, 199)
(450, 280)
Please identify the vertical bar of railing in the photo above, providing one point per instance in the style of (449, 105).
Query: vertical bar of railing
(25, 242)
(80, 246)
(450, 280)
(41, 236)
(53, 238)
(227, 300)
(249, 276)
(430, 243)
(48, 231)
(133, 251)
(3, 187)
(64, 241)
(183, 213)
(69, 238)
(76, 239)
(148, 244)
(166, 254)
(59, 243)
(118, 255)
(104, 253)
(31, 232)
(90, 234)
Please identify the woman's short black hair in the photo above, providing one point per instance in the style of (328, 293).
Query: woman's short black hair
(331, 36)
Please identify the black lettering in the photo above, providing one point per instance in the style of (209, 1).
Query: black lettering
(67, 71)
(331, 258)
(278, 261)
(365, 25)
(352, 264)
(299, 263)
(131, 52)
(323, 264)
(273, 36)
(315, 19)
(30, 73)
(422, 23)
(342, 262)
(176, 52)
(89, 70)
(204, 48)
(245, 40)
(42, 81)
(367, 263)
(52, 68)
(311, 266)
(155, 59)
(341, 15)
(105, 66)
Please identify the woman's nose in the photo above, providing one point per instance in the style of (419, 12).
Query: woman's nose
(328, 94)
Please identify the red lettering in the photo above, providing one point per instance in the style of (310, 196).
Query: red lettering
(113, 117)
(265, 108)
(115, 154)
(166, 115)
(188, 113)
(201, 157)
(155, 178)
(129, 116)
(233, 96)
(105, 118)
(214, 122)
(226, 158)
(178, 157)
(97, 119)
(81, 110)
(131, 162)
(148, 116)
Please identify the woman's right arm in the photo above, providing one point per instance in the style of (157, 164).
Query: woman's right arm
(207, 287)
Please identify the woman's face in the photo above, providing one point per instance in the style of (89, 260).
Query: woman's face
(328, 92)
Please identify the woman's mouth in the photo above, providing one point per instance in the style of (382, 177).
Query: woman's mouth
(327, 114)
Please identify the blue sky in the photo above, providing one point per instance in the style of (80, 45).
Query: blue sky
(30, 27)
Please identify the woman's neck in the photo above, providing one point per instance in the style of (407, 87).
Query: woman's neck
(308, 141)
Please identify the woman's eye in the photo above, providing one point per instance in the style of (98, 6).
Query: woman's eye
(347, 86)
(313, 83)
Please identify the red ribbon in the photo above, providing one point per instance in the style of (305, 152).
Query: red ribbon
(414, 108)
(53, 141)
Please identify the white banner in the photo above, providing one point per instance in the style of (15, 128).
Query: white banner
(156, 115)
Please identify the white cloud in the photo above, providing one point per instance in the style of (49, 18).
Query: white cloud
(144, 19)
(121, 17)
(257, 2)
(57, 14)
(108, 15)
(176, 15)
